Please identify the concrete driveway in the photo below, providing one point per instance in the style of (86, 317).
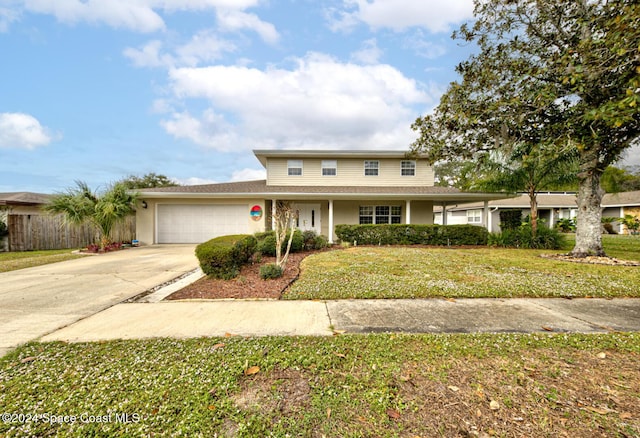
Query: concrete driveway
(39, 300)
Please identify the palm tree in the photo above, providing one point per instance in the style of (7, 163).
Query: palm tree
(530, 168)
(80, 205)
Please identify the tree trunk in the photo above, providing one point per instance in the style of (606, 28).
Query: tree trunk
(588, 227)
(533, 203)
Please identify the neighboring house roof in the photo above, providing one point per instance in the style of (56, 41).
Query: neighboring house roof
(24, 198)
(263, 154)
(554, 200)
(622, 199)
(252, 189)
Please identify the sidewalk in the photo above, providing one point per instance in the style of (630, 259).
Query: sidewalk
(290, 318)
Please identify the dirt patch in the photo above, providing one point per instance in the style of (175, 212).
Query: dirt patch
(283, 391)
(247, 284)
(543, 396)
(594, 260)
(280, 394)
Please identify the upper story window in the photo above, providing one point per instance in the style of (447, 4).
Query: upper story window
(371, 168)
(294, 167)
(408, 168)
(329, 167)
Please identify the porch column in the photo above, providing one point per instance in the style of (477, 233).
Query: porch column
(330, 236)
(273, 214)
(485, 213)
(444, 213)
(408, 211)
(552, 218)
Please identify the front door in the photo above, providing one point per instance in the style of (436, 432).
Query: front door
(309, 217)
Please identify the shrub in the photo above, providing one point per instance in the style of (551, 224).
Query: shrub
(545, 238)
(267, 243)
(313, 240)
(566, 225)
(270, 271)
(223, 256)
(401, 234)
(321, 242)
(3, 229)
(510, 219)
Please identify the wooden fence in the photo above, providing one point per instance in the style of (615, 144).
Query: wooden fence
(35, 232)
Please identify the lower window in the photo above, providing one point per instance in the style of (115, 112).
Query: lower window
(380, 214)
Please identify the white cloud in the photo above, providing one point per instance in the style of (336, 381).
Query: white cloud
(248, 174)
(211, 130)
(234, 20)
(136, 15)
(194, 181)
(320, 103)
(204, 46)
(126, 14)
(7, 16)
(148, 55)
(22, 131)
(423, 47)
(370, 53)
(434, 15)
(631, 157)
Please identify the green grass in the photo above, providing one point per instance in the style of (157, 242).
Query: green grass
(412, 272)
(11, 261)
(347, 386)
(619, 246)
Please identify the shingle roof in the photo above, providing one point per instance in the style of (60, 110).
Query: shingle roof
(24, 198)
(260, 188)
(622, 199)
(556, 200)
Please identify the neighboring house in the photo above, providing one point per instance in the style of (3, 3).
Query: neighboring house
(551, 208)
(328, 188)
(19, 203)
(32, 229)
(22, 203)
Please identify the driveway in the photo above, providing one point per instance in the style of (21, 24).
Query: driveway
(36, 301)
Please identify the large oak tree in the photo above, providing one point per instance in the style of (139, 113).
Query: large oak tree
(566, 72)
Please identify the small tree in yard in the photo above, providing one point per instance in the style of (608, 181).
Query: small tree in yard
(104, 210)
(284, 216)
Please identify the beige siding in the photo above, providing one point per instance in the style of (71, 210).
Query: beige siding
(146, 218)
(350, 173)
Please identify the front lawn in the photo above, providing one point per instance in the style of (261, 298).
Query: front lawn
(343, 386)
(418, 272)
(11, 261)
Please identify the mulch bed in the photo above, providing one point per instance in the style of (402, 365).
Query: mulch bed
(594, 260)
(247, 284)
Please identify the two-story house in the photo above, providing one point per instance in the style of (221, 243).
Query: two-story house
(327, 187)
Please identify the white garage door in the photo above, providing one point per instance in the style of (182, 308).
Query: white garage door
(185, 223)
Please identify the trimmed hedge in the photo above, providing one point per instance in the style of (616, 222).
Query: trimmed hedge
(223, 256)
(402, 234)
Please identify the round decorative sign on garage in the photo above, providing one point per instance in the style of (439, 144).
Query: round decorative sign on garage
(256, 212)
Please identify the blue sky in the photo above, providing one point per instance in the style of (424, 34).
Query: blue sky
(96, 90)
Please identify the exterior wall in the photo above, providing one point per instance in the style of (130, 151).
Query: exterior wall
(421, 212)
(617, 213)
(24, 209)
(146, 217)
(350, 172)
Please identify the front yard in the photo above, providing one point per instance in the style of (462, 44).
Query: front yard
(342, 386)
(416, 272)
